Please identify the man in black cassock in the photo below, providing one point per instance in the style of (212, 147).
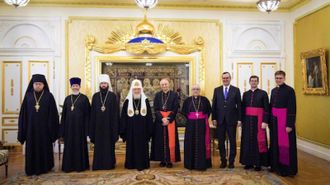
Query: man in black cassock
(136, 127)
(165, 143)
(255, 111)
(197, 149)
(104, 125)
(38, 126)
(283, 141)
(227, 116)
(74, 128)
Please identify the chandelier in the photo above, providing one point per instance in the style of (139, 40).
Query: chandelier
(268, 5)
(17, 3)
(146, 4)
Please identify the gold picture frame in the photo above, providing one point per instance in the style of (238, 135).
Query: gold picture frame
(314, 72)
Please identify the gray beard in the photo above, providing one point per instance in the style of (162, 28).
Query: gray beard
(136, 97)
(75, 92)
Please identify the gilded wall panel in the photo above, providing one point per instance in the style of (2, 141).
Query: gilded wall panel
(10, 137)
(11, 87)
(9, 121)
(38, 67)
(101, 28)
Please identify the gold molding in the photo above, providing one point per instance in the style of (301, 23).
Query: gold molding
(161, 5)
(260, 77)
(257, 40)
(3, 137)
(87, 48)
(122, 59)
(26, 37)
(243, 63)
(29, 69)
(10, 124)
(3, 83)
(324, 72)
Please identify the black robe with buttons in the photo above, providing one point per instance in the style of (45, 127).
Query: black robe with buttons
(160, 134)
(249, 154)
(194, 139)
(283, 97)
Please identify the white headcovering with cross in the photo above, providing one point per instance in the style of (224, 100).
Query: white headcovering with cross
(130, 110)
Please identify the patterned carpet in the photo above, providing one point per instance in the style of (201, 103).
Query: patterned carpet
(152, 177)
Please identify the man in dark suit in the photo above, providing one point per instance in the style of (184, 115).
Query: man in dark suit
(226, 116)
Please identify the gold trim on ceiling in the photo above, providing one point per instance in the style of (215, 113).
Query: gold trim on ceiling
(161, 5)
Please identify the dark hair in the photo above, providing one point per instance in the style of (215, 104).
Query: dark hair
(280, 72)
(254, 76)
(226, 73)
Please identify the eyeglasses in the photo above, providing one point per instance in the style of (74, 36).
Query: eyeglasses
(278, 78)
(226, 78)
(195, 89)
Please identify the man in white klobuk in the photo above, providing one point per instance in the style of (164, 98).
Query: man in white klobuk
(104, 125)
(136, 127)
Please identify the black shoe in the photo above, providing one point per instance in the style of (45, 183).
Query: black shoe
(246, 167)
(231, 165)
(257, 169)
(270, 170)
(162, 164)
(223, 165)
(169, 165)
(282, 174)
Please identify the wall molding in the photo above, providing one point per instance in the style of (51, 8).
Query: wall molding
(313, 149)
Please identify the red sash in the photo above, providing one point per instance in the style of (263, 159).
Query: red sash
(193, 115)
(255, 111)
(283, 136)
(171, 135)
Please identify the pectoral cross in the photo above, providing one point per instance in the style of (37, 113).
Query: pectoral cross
(72, 107)
(37, 107)
(197, 114)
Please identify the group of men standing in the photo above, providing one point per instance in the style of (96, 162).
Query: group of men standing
(39, 122)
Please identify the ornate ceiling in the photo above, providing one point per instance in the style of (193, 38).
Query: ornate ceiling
(230, 5)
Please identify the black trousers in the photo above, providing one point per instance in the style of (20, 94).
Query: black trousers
(231, 131)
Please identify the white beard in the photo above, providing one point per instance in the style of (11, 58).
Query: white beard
(136, 96)
(75, 92)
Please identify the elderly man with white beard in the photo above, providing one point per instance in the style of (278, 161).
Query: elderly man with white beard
(74, 128)
(136, 127)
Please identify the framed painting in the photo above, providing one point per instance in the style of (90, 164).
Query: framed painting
(314, 72)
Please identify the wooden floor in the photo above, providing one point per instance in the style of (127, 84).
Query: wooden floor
(312, 170)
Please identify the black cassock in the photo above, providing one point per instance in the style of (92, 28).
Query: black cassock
(104, 130)
(136, 131)
(74, 129)
(160, 141)
(194, 139)
(250, 154)
(283, 97)
(39, 130)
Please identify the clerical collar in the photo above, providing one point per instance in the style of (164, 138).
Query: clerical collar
(254, 89)
(195, 97)
(166, 91)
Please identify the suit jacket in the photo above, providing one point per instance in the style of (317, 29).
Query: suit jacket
(229, 108)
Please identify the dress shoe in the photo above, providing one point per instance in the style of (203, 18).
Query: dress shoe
(282, 174)
(231, 165)
(223, 165)
(162, 164)
(257, 169)
(246, 167)
(169, 165)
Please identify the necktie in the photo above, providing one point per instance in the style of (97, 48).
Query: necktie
(226, 93)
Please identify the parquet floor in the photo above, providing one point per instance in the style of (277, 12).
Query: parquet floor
(312, 170)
